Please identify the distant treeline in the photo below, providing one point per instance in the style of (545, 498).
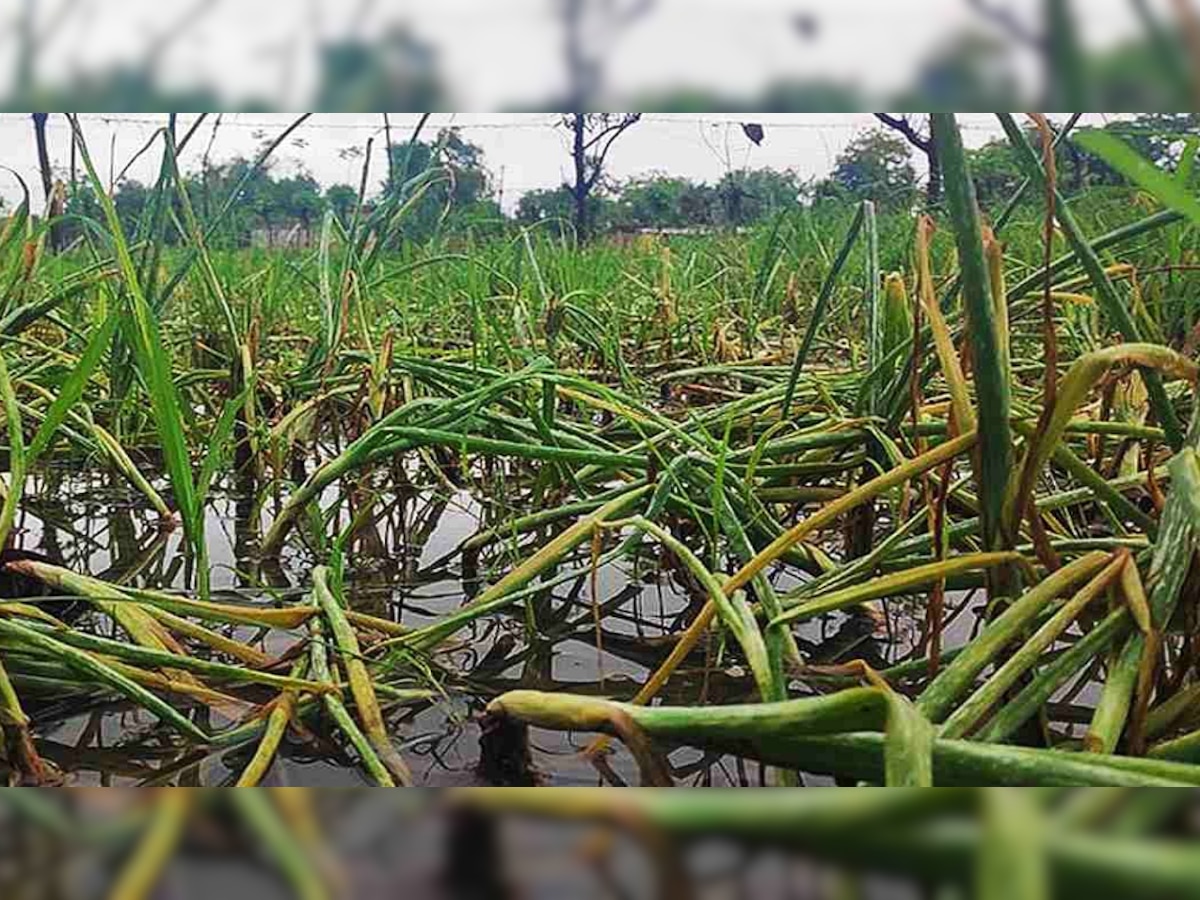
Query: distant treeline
(451, 193)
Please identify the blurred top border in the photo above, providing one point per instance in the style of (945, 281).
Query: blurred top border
(646, 55)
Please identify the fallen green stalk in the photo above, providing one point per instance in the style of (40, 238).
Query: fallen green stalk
(361, 686)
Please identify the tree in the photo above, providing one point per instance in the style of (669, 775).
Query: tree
(130, 201)
(130, 86)
(876, 166)
(43, 155)
(922, 140)
(557, 205)
(1064, 68)
(449, 172)
(342, 199)
(1158, 137)
(298, 199)
(750, 195)
(255, 205)
(1137, 75)
(27, 45)
(665, 201)
(784, 96)
(996, 171)
(81, 204)
(396, 72)
(967, 71)
(588, 31)
(458, 158)
(698, 204)
(544, 203)
(592, 137)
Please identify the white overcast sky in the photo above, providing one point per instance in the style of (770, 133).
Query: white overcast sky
(523, 151)
(506, 54)
(498, 54)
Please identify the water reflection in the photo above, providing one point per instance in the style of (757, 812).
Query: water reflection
(598, 635)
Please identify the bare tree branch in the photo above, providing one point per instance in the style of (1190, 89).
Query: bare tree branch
(1012, 26)
(613, 132)
(905, 127)
(589, 29)
(593, 135)
(626, 120)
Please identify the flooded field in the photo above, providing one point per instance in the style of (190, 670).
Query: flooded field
(874, 493)
(862, 495)
(407, 566)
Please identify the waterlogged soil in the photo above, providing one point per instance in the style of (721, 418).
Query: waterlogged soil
(407, 566)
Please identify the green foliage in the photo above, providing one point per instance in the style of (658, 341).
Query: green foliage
(755, 195)
(285, 209)
(556, 207)
(342, 200)
(666, 201)
(996, 171)
(876, 166)
(968, 71)
(1160, 138)
(740, 198)
(456, 197)
(1143, 172)
(394, 72)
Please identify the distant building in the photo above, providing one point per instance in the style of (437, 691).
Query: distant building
(291, 235)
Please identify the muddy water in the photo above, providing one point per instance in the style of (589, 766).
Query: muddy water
(405, 566)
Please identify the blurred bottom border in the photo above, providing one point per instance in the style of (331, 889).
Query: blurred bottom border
(599, 842)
